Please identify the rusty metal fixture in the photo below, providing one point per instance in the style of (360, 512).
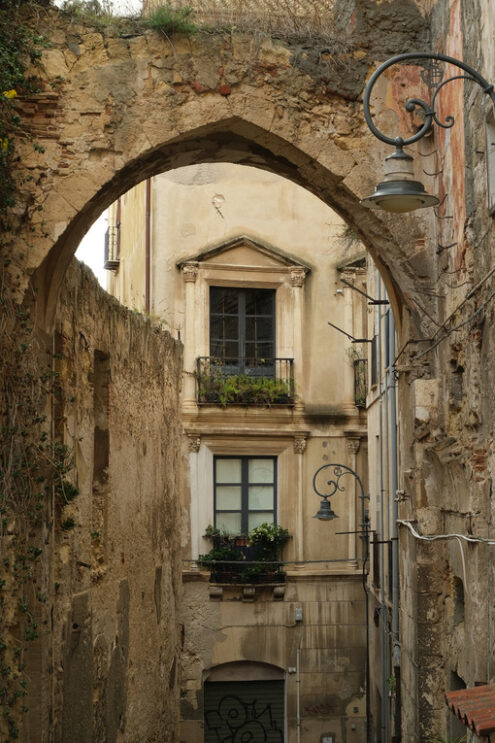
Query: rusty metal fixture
(400, 192)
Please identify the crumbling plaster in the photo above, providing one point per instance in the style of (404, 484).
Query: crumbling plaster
(129, 108)
(108, 651)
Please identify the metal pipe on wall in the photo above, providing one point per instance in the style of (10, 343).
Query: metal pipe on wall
(383, 608)
(395, 543)
(298, 694)
(147, 237)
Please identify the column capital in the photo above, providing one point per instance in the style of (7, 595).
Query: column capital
(190, 271)
(300, 440)
(194, 442)
(353, 445)
(297, 275)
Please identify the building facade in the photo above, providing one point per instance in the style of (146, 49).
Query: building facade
(246, 269)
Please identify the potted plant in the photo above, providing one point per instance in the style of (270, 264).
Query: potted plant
(269, 538)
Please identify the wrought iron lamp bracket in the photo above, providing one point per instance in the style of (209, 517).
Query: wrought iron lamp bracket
(413, 103)
(334, 484)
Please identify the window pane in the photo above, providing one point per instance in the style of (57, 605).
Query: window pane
(259, 301)
(260, 496)
(265, 351)
(216, 330)
(255, 519)
(259, 328)
(228, 522)
(228, 470)
(261, 470)
(229, 498)
(216, 349)
(224, 300)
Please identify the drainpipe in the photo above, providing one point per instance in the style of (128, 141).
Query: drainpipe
(147, 265)
(383, 611)
(298, 694)
(395, 542)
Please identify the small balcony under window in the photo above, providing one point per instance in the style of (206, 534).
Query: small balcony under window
(240, 381)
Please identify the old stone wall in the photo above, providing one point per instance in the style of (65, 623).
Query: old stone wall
(447, 621)
(107, 652)
(114, 111)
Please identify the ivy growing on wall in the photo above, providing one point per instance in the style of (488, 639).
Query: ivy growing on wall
(34, 470)
(20, 48)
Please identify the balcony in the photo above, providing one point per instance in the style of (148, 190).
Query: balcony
(112, 248)
(253, 559)
(263, 382)
(360, 382)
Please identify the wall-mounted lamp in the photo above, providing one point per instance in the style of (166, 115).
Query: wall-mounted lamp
(400, 192)
(327, 480)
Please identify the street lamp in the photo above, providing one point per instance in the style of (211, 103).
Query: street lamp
(400, 192)
(325, 488)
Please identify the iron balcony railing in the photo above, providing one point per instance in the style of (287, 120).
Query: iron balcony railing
(112, 248)
(360, 382)
(244, 381)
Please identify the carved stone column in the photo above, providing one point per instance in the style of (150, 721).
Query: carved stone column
(299, 449)
(189, 275)
(353, 445)
(196, 528)
(297, 278)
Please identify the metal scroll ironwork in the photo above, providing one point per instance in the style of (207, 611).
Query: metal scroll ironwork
(435, 81)
(326, 488)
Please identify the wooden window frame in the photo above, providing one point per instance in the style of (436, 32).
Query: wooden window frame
(241, 367)
(244, 510)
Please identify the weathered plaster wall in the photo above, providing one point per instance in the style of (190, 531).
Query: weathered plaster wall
(128, 108)
(110, 641)
(331, 638)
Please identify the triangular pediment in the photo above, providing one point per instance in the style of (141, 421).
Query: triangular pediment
(247, 252)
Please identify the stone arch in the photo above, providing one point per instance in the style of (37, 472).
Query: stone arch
(235, 141)
(244, 670)
(117, 110)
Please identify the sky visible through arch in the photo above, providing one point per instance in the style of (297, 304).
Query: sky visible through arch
(90, 250)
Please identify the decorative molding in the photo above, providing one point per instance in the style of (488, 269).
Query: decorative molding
(353, 445)
(300, 443)
(190, 272)
(194, 442)
(297, 275)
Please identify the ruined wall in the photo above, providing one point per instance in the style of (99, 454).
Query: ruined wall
(447, 619)
(108, 648)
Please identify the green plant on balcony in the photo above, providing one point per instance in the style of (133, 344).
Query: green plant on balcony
(269, 538)
(242, 389)
(242, 559)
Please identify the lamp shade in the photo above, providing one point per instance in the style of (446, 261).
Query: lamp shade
(325, 512)
(400, 196)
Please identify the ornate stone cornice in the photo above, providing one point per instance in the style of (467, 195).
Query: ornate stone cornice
(190, 272)
(297, 275)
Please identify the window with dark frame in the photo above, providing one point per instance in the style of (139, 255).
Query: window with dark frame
(242, 329)
(245, 491)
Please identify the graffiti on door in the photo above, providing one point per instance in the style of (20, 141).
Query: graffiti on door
(239, 721)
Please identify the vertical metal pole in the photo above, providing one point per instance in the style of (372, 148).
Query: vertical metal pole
(383, 608)
(395, 542)
(298, 694)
